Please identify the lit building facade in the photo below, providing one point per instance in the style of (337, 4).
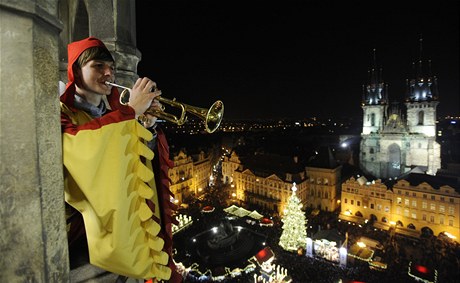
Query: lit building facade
(411, 206)
(255, 180)
(323, 188)
(229, 166)
(201, 172)
(190, 175)
(270, 192)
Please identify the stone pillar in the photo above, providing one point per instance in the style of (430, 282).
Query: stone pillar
(118, 31)
(113, 22)
(33, 243)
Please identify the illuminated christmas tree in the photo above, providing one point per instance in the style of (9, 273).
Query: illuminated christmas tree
(294, 234)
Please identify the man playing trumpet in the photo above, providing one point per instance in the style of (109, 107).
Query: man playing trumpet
(116, 187)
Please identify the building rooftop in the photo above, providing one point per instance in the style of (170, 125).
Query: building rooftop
(436, 182)
(266, 164)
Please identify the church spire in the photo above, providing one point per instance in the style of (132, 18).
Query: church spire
(423, 86)
(374, 92)
(419, 74)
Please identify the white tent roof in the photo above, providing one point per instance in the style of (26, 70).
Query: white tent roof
(241, 212)
(255, 215)
(231, 208)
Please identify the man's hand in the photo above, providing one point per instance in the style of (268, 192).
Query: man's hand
(142, 95)
(155, 107)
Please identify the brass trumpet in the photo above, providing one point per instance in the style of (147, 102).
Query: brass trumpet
(211, 117)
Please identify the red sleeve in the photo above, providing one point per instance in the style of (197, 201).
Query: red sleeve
(164, 194)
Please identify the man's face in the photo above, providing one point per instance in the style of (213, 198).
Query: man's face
(94, 74)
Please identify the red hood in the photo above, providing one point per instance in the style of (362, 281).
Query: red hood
(74, 51)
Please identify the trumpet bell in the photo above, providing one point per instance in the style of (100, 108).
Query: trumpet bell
(211, 117)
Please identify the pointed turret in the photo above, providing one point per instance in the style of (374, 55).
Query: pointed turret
(423, 86)
(375, 90)
(375, 100)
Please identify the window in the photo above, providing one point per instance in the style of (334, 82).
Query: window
(379, 207)
(387, 209)
(398, 210)
(424, 205)
(406, 212)
(442, 209)
(372, 206)
(433, 198)
(358, 203)
(414, 203)
(406, 202)
(352, 202)
(432, 219)
(451, 210)
(451, 222)
(441, 220)
(398, 200)
(424, 217)
(424, 196)
(345, 200)
(432, 206)
(420, 117)
(414, 215)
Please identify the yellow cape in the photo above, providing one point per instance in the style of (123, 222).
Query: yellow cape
(106, 180)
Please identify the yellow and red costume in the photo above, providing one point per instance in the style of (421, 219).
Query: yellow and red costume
(110, 180)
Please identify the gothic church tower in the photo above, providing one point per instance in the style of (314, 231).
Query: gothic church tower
(422, 99)
(374, 102)
(421, 102)
(392, 144)
(375, 105)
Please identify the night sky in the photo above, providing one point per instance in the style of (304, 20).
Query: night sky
(294, 59)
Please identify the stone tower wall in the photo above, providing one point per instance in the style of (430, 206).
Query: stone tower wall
(33, 52)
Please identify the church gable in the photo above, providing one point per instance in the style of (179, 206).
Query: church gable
(395, 124)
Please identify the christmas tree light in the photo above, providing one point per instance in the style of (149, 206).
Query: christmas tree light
(294, 233)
